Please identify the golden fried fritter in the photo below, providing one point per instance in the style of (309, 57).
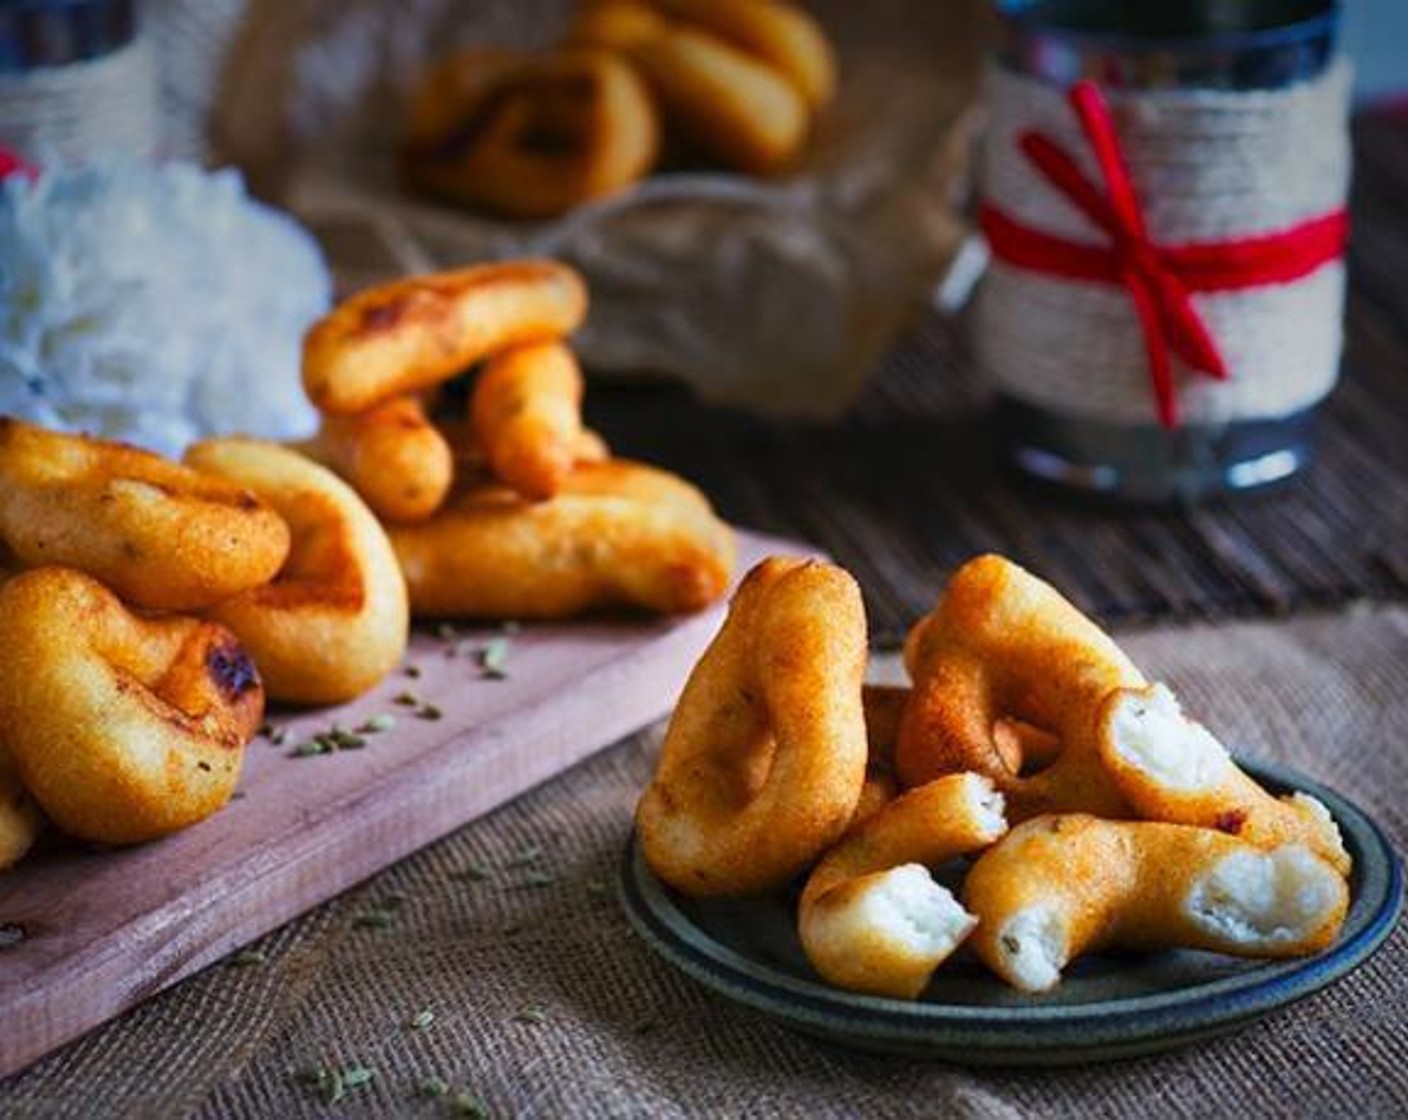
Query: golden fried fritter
(159, 534)
(123, 728)
(411, 334)
(764, 759)
(618, 534)
(335, 620)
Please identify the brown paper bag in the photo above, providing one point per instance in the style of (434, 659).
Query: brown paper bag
(777, 295)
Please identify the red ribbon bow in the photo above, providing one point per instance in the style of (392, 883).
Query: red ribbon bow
(1159, 279)
(11, 164)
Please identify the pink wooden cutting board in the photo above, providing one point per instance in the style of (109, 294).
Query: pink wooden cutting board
(104, 930)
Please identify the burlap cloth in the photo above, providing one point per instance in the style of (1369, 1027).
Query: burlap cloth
(544, 1003)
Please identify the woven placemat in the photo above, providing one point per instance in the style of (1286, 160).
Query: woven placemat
(908, 486)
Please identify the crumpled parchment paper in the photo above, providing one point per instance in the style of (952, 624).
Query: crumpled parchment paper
(779, 296)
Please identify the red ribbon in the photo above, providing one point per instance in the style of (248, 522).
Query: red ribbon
(1159, 278)
(11, 164)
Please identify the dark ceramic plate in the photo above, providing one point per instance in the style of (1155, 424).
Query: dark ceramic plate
(1108, 1006)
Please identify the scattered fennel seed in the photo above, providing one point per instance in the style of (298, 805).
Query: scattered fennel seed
(467, 1104)
(421, 1020)
(446, 633)
(493, 659)
(534, 1013)
(539, 878)
(597, 887)
(382, 721)
(381, 918)
(473, 871)
(330, 1084)
(529, 853)
(310, 748)
(412, 671)
(357, 1075)
(433, 1087)
(406, 699)
(350, 743)
(429, 711)
(247, 958)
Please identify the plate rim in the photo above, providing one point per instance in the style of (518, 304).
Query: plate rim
(1029, 1031)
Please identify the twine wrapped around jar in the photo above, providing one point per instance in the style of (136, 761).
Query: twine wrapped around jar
(83, 109)
(1208, 167)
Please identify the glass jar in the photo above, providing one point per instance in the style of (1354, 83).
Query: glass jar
(78, 81)
(1233, 121)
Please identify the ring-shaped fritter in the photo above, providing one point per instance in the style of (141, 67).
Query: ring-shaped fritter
(20, 818)
(526, 415)
(1171, 769)
(780, 34)
(764, 759)
(1003, 646)
(335, 620)
(123, 728)
(535, 137)
(871, 918)
(160, 535)
(410, 334)
(731, 105)
(618, 534)
(392, 455)
(1060, 886)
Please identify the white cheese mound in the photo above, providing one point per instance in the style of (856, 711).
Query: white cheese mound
(155, 304)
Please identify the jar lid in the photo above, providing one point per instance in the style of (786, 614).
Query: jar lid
(1213, 44)
(43, 33)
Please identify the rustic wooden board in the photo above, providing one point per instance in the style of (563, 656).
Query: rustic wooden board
(104, 930)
